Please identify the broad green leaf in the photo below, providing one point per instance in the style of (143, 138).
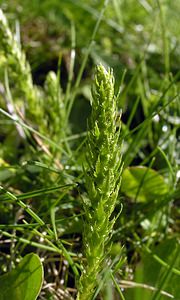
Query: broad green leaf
(154, 271)
(24, 282)
(5, 172)
(5, 175)
(143, 184)
(149, 274)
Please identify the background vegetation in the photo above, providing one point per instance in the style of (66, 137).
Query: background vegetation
(43, 128)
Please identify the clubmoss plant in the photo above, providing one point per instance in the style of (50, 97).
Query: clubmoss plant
(103, 179)
(56, 116)
(44, 108)
(19, 70)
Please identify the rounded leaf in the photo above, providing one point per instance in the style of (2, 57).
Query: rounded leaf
(143, 184)
(24, 282)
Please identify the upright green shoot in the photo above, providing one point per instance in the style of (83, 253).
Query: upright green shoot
(102, 178)
(20, 69)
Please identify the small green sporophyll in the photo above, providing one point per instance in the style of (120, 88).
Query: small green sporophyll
(102, 179)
